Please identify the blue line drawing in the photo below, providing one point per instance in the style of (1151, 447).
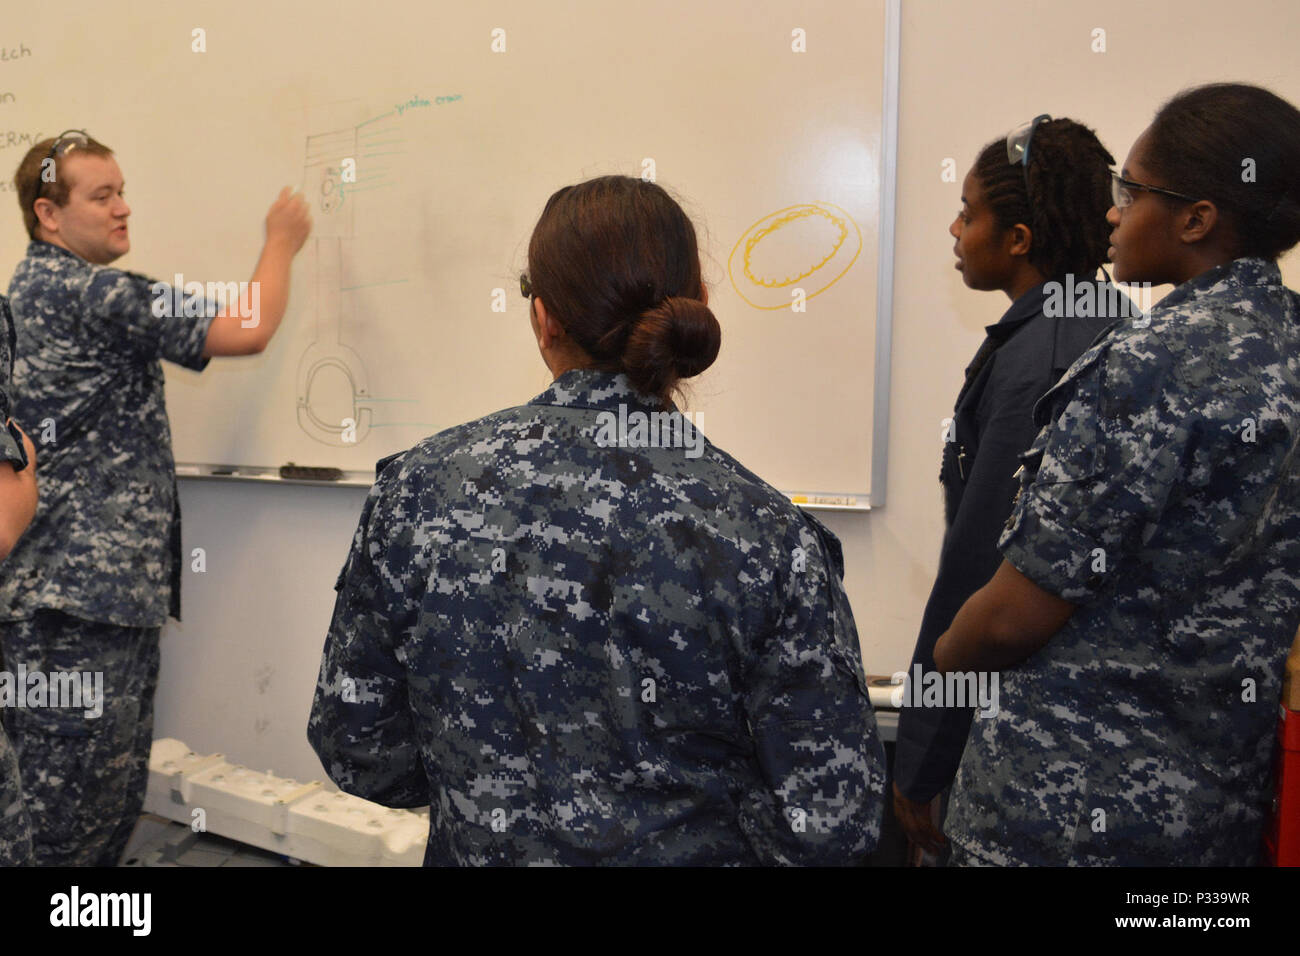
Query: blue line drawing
(333, 207)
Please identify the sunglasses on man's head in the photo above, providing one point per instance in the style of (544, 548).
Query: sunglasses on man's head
(67, 140)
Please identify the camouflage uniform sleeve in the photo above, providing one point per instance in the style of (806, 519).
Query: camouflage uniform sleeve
(1096, 483)
(813, 727)
(361, 724)
(10, 450)
(125, 306)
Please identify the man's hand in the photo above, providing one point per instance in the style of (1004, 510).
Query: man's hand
(289, 221)
(917, 822)
(288, 224)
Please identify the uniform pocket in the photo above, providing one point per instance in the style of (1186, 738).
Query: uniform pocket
(57, 752)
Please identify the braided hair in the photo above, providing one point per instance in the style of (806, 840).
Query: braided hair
(1062, 196)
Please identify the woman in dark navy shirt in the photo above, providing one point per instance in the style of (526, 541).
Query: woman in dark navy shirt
(1032, 225)
(1150, 585)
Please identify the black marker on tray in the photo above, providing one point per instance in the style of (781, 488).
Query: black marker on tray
(307, 473)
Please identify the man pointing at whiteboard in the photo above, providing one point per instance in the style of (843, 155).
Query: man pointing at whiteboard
(91, 583)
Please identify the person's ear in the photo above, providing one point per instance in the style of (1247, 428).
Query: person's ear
(1198, 221)
(549, 331)
(1020, 238)
(46, 214)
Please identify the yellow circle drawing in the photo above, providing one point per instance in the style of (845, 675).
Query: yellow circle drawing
(817, 241)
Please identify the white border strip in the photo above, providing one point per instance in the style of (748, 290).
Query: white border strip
(885, 257)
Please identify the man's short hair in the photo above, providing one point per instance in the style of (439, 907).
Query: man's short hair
(27, 180)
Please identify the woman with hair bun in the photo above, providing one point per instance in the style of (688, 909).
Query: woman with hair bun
(1151, 582)
(579, 632)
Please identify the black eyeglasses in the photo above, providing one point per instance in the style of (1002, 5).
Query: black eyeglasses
(525, 287)
(1018, 141)
(1121, 191)
(68, 139)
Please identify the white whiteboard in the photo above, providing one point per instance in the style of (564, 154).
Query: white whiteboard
(776, 154)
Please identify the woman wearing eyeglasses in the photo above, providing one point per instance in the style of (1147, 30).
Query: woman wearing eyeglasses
(1032, 226)
(1151, 585)
(582, 642)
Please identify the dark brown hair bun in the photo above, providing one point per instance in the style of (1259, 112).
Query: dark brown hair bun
(615, 261)
(676, 339)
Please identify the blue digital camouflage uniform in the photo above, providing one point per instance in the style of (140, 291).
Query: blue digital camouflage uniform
(577, 654)
(15, 827)
(1164, 499)
(95, 576)
(85, 771)
(11, 449)
(105, 542)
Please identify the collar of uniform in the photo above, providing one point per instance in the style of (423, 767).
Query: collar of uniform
(589, 388)
(578, 388)
(41, 249)
(1249, 271)
(1022, 310)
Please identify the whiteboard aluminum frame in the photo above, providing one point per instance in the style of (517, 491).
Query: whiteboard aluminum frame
(885, 257)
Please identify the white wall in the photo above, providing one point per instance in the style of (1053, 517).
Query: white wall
(970, 70)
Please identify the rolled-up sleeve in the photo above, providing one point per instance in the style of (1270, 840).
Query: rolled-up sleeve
(141, 318)
(361, 725)
(1105, 468)
(814, 730)
(10, 450)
